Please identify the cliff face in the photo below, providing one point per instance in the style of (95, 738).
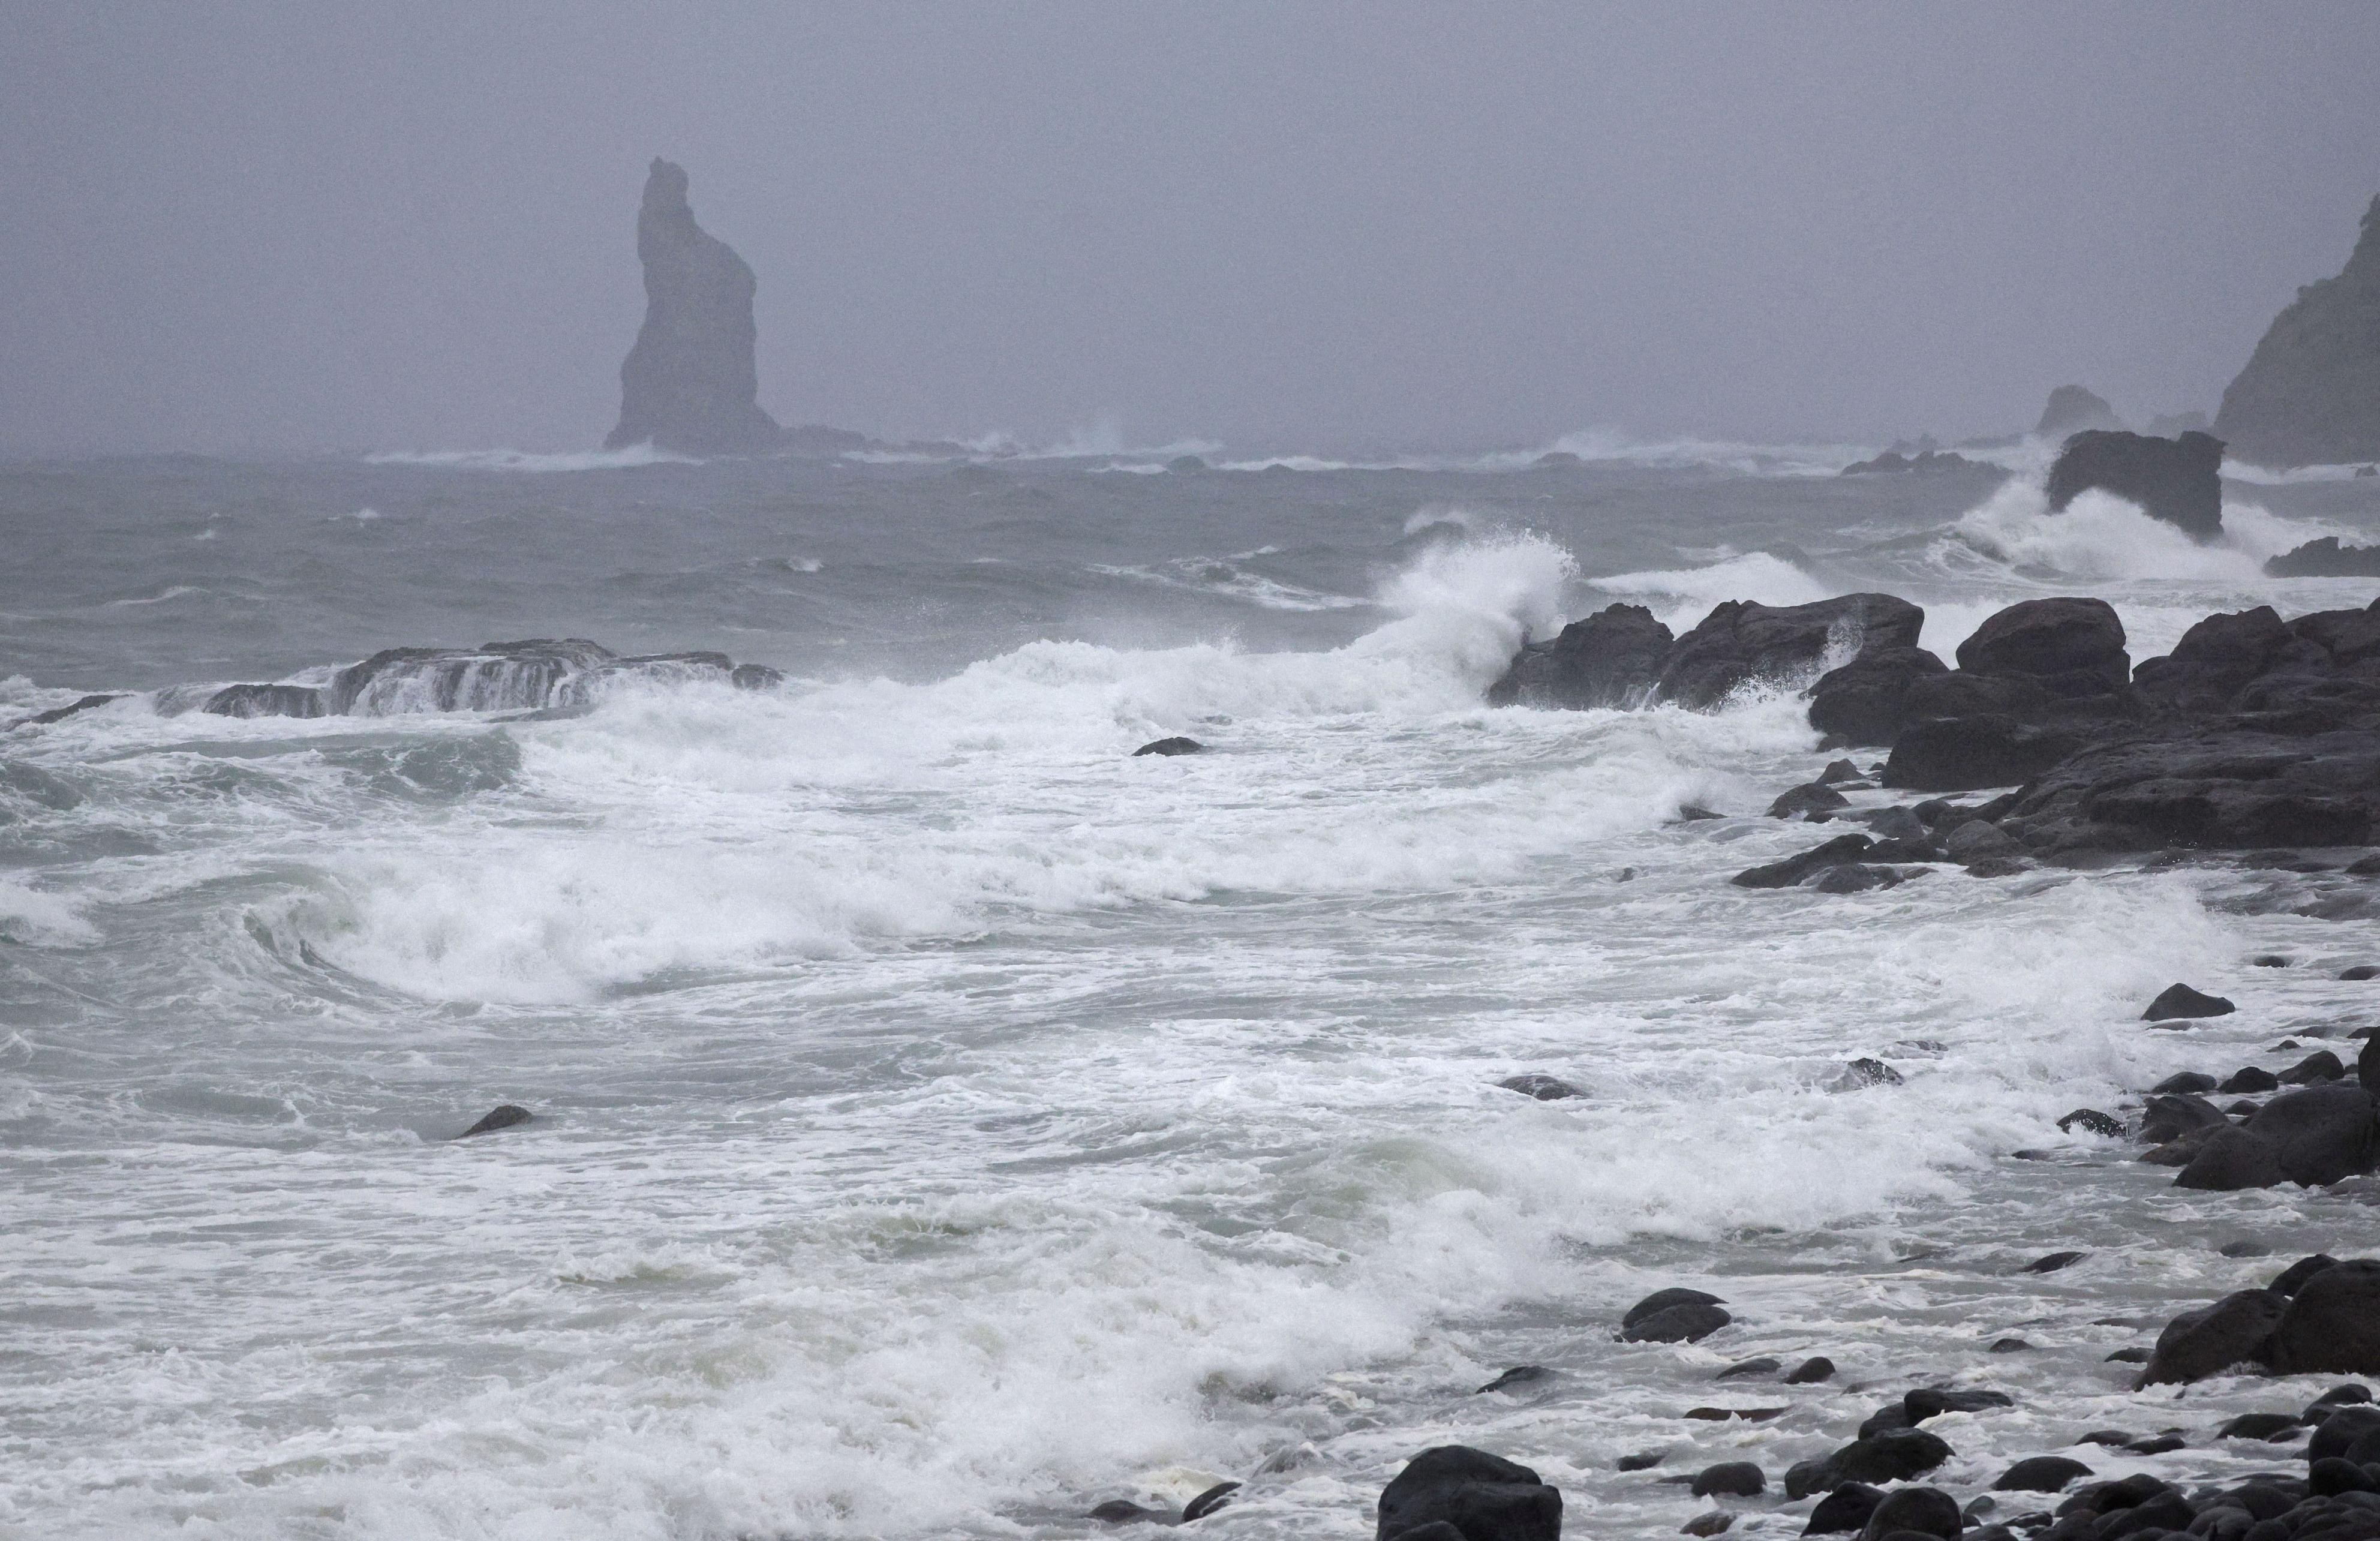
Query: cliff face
(2311, 393)
(689, 383)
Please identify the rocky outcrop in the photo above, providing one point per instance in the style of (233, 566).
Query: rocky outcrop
(2177, 480)
(2071, 410)
(1454, 1489)
(1742, 641)
(1924, 463)
(1611, 658)
(1866, 701)
(2326, 558)
(2311, 392)
(499, 676)
(689, 385)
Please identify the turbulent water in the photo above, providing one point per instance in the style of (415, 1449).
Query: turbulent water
(946, 1122)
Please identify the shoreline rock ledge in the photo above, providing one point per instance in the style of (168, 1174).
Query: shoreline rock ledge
(689, 385)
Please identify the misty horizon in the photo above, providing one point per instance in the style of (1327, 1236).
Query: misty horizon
(273, 230)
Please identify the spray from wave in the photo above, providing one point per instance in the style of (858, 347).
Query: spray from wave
(526, 461)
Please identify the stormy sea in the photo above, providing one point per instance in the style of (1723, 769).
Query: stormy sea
(944, 1121)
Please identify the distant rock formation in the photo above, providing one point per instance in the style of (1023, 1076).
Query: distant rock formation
(2326, 558)
(1926, 462)
(2178, 480)
(2311, 393)
(2070, 410)
(2173, 425)
(689, 383)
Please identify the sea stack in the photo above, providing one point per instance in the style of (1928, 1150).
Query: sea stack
(2177, 480)
(2311, 393)
(2071, 410)
(689, 385)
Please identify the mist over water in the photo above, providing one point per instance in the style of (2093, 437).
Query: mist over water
(945, 1119)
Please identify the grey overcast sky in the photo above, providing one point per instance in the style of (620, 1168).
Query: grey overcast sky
(251, 226)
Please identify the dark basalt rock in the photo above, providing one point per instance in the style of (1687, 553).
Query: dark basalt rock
(503, 1117)
(1862, 1074)
(1610, 659)
(2091, 1120)
(2316, 1068)
(1844, 1510)
(1643, 1461)
(2186, 1081)
(2267, 1427)
(1482, 1497)
(2320, 1134)
(2342, 1431)
(2178, 1002)
(1123, 1512)
(1719, 1521)
(1742, 641)
(2250, 1078)
(1915, 1510)
(1961, 754)
(1894, 1455)
(2042, 1473)
(2234, 1330)
(2071, 410)
(1742, 1368)
(1806, 799)
(2174, 1116)
(1662, 1300)
(2293, 1278)
(1519, 1374)
(2213, 660)
(2310, 394)
(2229, 1160)
(2361, 972)
(2055, 1261)
(2326, 558)
(265, 700)
(1688, 1323)
(1924, 463)
(1932, 1401)
(1795, 870)
(2177, 480)
(1734, 1480)
(2333, 1325)
(689, 385)
(1544, 1088)
(2074, 646)
(1169, 747)
(1206, 1503)
(1811, 1372)
(1866, 701)
(59, 714)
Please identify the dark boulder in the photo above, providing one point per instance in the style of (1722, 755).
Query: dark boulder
(2186, 1081)
(1844, 1510)
(1806, 799)
(1795, 870)
(1915, 1510)
(265, 700)
(2177, 480)
(2310, 394)
(59, 714)
(690, 384)
(1484, 1496)
(1610, 659)
(1865, 701)
(2246, 781)
(1733, 1479)
(1123, 1512)
(1519, 1374)
(2268, 1426)
(2229, 1160)
(2213, 660)
(2071, 408)
(1892, 1455)
(1171, 747)
(2293, 1278)
(2234, 1330)
(1811, 1372)
(2316, 1068)
(1688, 1323)
(2332, 1325)
(1763, 1366)
(2091, 1120)
(2320, 1134)
(2342, 1431)
(2055, 1262)
(1961, 754)
(1932, 1401)
(1206, 1503)
(1741, 642)
(2174, 1117)
(1544, 1088)
(2326, 558)
(2178, 1002)
(2250, 1078)
(503, 1117)
(2041, 1474)
(1662, 1300)
(2074, 646)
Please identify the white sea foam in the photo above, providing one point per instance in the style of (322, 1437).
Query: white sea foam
(1682, 596)
(35, 917)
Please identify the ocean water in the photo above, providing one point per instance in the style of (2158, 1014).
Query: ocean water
(945, 1121)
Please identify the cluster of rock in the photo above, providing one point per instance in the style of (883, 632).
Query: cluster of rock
(535, 674)
(1924, 463)
(2253, 732)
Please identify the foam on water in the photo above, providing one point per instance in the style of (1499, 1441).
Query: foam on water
(625, 459)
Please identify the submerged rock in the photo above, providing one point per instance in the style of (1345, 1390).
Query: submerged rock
(265, 700)
(2177, 480)
(1481, 1497)
(503, 1117)
(1171, 747)
(2326, 558)
(1674, 1316)
(2310, 394)
(1544, 1088)
(2234, 1330)
(2178, 1002)
(689, 385)
(2042, 1473)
